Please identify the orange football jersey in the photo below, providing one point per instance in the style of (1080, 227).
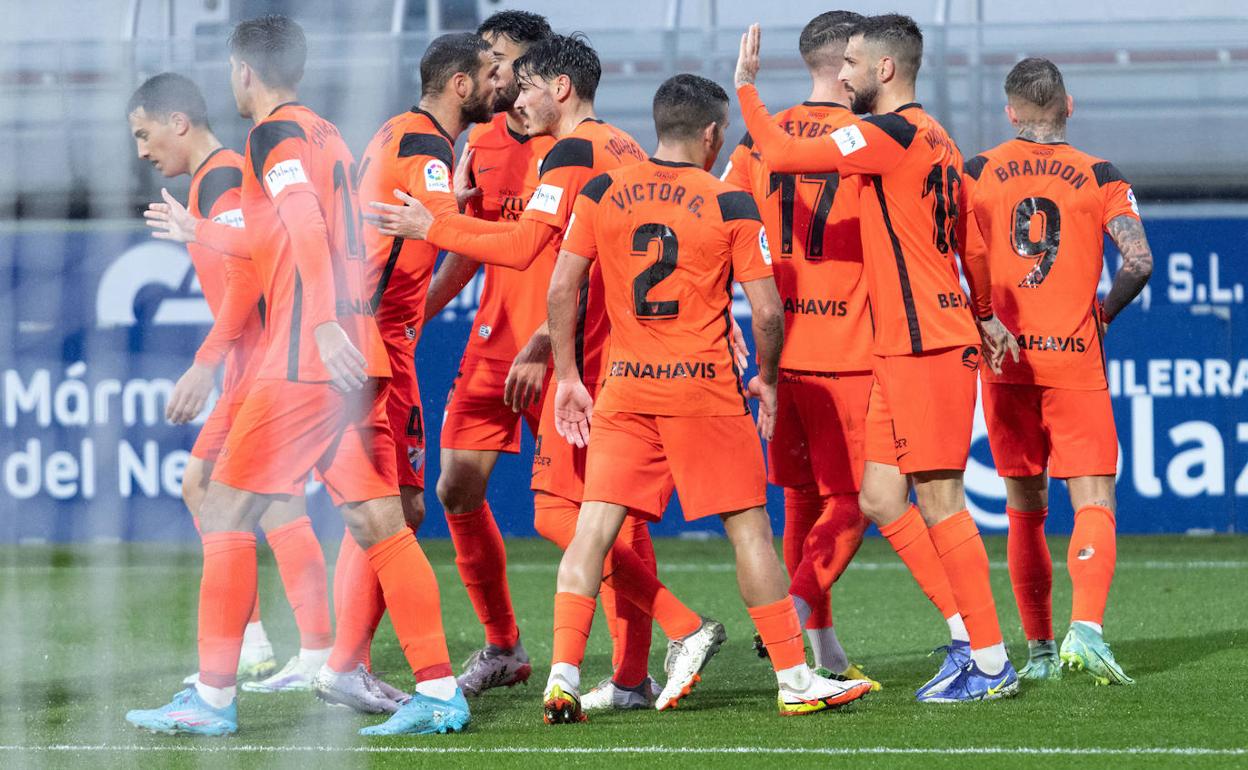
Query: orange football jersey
(1038, 214)
(505, 167)
(669, 239)
(812, 221)
(294, 150)
(410, 152)
(592, 148)
(909, 215)
(215, 194)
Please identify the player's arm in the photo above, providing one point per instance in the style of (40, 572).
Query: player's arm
(997, 339)
(450, 279)
(1122, 222)
(872, 145)
(527, 374)
(171, 221)
(507, 244)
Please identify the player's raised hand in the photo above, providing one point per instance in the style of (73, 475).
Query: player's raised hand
(740, 351)
(170, 221)
(189, 394)
(465, 190)
(998, 341)
(344, 363)
(767, 406)
(574, 409)
(748, 60)
(411, 220)
(527, 375)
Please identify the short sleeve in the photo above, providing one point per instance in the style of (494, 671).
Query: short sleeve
(423, 168)
(746, 237)
(280, 155)
(1118, 195)
(580, 238)
(565, 170)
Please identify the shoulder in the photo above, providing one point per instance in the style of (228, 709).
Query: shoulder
(266, 136)
(214, 183)
(422, 143)
(1105, 172)
(735, 204)
(898, 127)
(572, 151)
(597, 187)
(974, 167)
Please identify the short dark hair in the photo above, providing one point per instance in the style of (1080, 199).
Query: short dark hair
(824, 30)
(520, 27)
(274, 46)
(899, 35)
(557, 55)
(447, 55)
(162, 95)
(1037, 81)
(685, 104)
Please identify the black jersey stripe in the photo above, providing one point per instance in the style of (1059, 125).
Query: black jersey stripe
(296, 324)
(213, 185)
(384, 281)
(903, 275)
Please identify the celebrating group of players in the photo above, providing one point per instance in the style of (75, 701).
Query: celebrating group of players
(611, 271)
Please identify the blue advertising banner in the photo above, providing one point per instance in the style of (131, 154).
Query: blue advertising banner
(100, 321)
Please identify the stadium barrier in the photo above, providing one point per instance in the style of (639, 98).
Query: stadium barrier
(102, 320)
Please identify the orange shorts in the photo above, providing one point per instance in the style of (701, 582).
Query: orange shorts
(558, 467)
(1033, 428)
(714, 463)
(405, 415)
(922, 409)
(476, 417)
(820, 432)
(286, 429)
(212, 433)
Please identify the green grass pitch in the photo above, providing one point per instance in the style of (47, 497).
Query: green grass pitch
(89, 632)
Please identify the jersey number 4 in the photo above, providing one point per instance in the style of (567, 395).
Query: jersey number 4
(656, 272)
(1043, 249)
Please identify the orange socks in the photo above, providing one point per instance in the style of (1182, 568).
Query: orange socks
(227, 593)
(358, 604)
(910, 538)
(961, 551)
(631, 658)
(1031, 571)
(255, 610)
(482, 561)
(302, 566)
(778, 625)
(574, 614)
(1091, 559)
(830, 546)
(411, 593)
(803, 506)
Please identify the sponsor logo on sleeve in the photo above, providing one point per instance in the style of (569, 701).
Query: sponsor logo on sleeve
(849, 139)
(232, 218)
(546, 199)
(284, 174)
(762, 245)
(437, 177)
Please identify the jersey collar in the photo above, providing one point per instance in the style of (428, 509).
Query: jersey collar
(824, 104)
(284, 104)
(520, 138)
(204, 162)
(1033, 141)
(909, 106)
(436, 124)
(672, 163)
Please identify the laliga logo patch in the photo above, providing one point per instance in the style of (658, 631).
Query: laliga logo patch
(1131, 199)
(849, 139)
(762, 245)
(437, 177)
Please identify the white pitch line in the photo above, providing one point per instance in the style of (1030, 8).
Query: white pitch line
(608, 750)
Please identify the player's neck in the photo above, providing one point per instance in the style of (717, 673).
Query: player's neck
(1042, 132)
(265, 102)
(890, 100)
(448, 116)
(680, 153)
(515, 122)
(828, 93)
(202, 144)
(576, 115)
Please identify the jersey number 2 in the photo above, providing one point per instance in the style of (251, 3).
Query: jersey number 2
(654, 274)
(1044, 250)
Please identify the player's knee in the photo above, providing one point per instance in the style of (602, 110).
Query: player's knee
(413, 500)
(373, 521)
(193, 486)
(460, 492)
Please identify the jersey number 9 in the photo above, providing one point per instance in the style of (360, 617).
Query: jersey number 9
(1044, 250)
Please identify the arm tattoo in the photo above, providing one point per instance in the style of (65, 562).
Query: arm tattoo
(1137, 264)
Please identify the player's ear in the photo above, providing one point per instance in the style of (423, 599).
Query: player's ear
(1070, 105)
(180, 123)
(886, 69)
(563, 88)
(1011, 115)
